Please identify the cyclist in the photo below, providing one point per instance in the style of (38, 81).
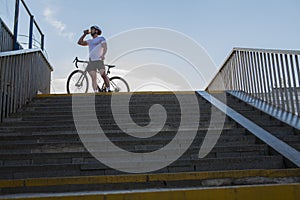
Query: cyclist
(97, 50)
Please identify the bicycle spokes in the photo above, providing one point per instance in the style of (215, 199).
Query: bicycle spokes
(114, 86)
(118, 84)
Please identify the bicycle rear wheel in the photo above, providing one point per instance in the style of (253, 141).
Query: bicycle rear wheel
(118, 84)
(77, 82)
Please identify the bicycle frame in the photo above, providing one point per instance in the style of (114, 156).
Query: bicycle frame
(81, 79)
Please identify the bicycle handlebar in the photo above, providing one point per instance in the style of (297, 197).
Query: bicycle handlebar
(76, 60)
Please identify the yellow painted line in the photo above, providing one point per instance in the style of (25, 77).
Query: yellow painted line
(142, 178)
(265, 192)
(116, 93)
(11, 183)
(164, 92)
(215, 91)
(52, 95)
(85, 180)
(225, 174)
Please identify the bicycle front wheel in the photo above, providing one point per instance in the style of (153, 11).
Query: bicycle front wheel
(77, 82)
(118, 84)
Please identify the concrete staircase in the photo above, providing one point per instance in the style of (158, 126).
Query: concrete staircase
(279, 129)
(41, 154)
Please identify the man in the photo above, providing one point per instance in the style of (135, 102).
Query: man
(97, 50)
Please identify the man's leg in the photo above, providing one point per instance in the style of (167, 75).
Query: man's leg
(105, 78)
(93, 75)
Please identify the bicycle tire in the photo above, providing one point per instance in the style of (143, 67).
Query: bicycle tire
(118, 84)
(73, 79)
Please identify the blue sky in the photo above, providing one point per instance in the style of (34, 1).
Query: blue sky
(217, 25)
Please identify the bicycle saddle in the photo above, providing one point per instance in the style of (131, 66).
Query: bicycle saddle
(110, 66)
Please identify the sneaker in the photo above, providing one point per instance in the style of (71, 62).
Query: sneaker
(109, 91)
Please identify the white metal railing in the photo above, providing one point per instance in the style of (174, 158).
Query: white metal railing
(270, 75)
(23, 73)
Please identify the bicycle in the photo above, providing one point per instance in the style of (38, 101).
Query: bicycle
(78, 81)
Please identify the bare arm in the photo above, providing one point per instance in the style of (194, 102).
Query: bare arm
(81, 40)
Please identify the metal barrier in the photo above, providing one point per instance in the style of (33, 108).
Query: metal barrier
(270, 75)
(6, 38)
(23, 73)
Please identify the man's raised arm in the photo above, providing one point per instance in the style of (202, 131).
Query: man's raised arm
(81, 39)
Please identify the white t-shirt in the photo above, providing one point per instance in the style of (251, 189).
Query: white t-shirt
(95, 47)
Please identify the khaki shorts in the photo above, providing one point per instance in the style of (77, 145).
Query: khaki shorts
(94, 65)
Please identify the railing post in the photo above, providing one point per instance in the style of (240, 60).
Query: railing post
(294, 90)
(286, 97)
(231, 73)
(298, 72)
(250, 73)
(239, 71)
(263, 77)
(280, 88)
(16, 21)
(271, 77)
(289, 83)
(42, 41)
(236, 64)
(257, 73)
(254, 73)
(31, 31)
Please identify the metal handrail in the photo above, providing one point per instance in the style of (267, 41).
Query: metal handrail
(34, 45)
(33, 39)
(270, 75)
(32, 23)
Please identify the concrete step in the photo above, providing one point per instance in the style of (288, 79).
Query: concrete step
(73, 135)
(189, 193)
(148, 181)
(272, 125)
(280, 131)
(118, 98)
(107, 111)
(108, 123)
(121, 104)
(115, 133)
(64, 116)
(58, 117)
(129, 143)
(133, 98)
(145, 102)
(292, 140)
(91, 169)
(76, 157)
(88, 128)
